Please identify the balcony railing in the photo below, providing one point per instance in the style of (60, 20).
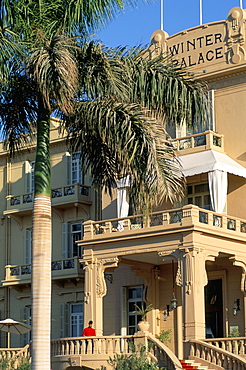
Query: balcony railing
(204, 140)
(69, 190)
(215, 357)
(189, 214)
(235, 345)
(93, 349)
(60, 268)
(64, 194)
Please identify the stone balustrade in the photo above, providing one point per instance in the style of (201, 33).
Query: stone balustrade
(215, 357)
(235, 345)
(201, 141)
(104, 345)
(63, 194)
(92, 349)
(188, 215)
(22, 273)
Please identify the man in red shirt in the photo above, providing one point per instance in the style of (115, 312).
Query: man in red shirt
(89, 331)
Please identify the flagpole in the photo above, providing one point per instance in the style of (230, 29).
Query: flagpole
(200, 12)
(162, 14)
(241, 4)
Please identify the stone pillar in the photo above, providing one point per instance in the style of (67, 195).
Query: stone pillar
(194, 280)
(240, 262)
(95, 289)
(179, 326)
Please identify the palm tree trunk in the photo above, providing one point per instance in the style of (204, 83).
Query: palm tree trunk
(41, 250)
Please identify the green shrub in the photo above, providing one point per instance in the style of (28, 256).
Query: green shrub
(24, 363)
(165, 336)
(9, 364)
(137, 360)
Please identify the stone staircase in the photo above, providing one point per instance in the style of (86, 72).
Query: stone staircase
(193, 365)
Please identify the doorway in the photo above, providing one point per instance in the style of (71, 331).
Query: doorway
(214, 309)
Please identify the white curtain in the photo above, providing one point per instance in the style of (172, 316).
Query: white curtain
(122, 202)
(218, 190)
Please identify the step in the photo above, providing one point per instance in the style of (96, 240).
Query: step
(191, 365)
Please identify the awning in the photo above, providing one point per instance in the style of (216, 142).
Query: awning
(210, 160)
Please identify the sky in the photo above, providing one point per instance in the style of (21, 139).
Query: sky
(135, 26)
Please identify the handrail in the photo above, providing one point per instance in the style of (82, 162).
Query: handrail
(65, 264)
(15, 355)
(61, 191)
(161, 350)
(235, 345)
(187, 215)
(107, 346)
(210, 354)
(25, 351)
(208, 139)
(103, 345)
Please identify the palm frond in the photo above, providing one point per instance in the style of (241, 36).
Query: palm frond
(161, 85)
(18, 111)
(10, 50)
(118, 139)
(102, 71)
(53, 67)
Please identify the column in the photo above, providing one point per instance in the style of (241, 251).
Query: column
(95, 289)
(194, 280)
(240, 262)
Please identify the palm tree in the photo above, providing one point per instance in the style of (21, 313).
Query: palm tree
(119, 121)
(113, 104)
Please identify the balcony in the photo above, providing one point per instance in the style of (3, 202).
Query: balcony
(174, 219)
(145, 239)
(61, 197)
(199, 142)
(71, 194)
(68, 268)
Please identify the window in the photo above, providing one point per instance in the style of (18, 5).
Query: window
(76, 234)
(73, 168)
(28, 246)
(26, 317)
(76, 319)
(32, 166)
(29, 176)
(198, 194)
(71, 233)
(76, 174)
(135, 297)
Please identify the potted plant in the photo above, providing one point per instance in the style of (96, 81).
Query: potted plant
(143, 325)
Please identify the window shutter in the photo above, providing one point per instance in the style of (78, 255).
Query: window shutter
(66, 240)
(68, 168)
(62, 321)
(123, 311)
(24, 318)
(211, 110)
(28, 246)
(181, 130)
(64, 314)
(27, 176)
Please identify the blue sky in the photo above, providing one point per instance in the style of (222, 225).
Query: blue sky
(135, 26)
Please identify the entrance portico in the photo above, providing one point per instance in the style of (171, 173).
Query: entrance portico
(178, 256)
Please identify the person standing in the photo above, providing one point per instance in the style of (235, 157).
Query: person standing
(89, 331)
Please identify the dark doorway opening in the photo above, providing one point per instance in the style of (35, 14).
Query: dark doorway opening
(214, 309)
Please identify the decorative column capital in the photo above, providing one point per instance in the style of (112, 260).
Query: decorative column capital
(241, 262)
(101, 265)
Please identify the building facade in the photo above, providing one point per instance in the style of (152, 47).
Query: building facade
(188, 260)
